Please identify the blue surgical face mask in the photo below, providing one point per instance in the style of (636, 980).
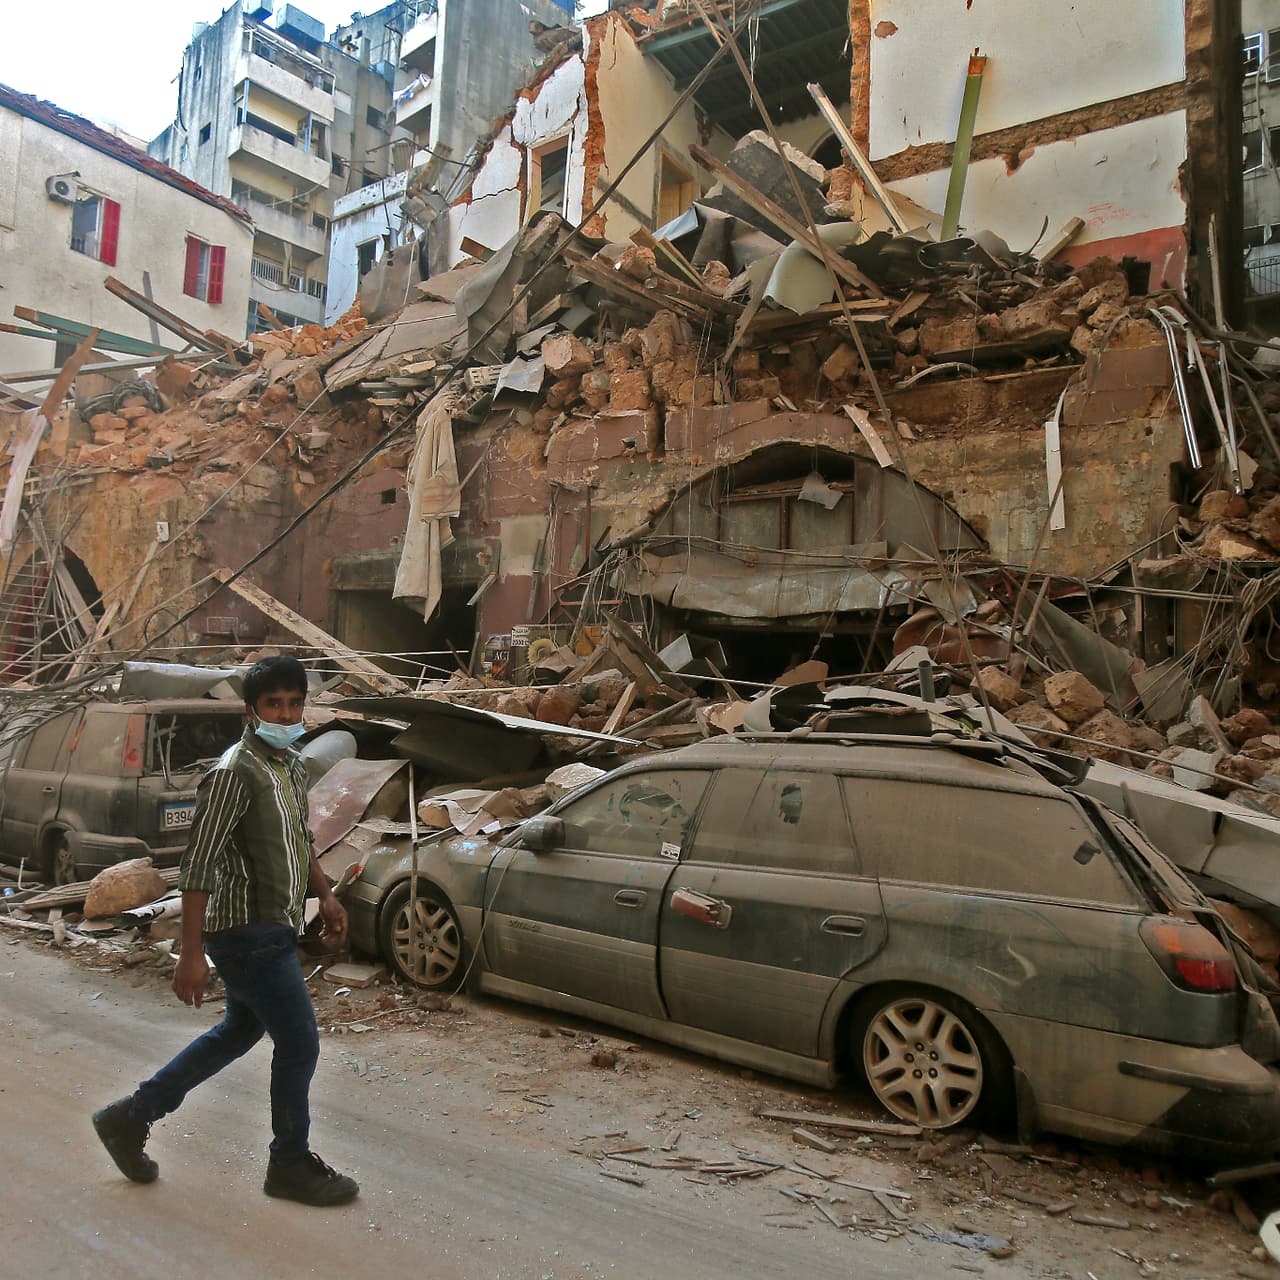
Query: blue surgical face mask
(279, 736)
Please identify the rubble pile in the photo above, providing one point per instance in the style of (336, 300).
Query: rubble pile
(193, 417)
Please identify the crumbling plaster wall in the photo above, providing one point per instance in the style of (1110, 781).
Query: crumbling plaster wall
(554, 108)
(980, 445)
(1081, 114)
(625, 79)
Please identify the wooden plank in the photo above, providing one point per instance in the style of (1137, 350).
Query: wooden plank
(66, 376)
(154, 311)
(847, 1124)
(860, 162)
(667, 255)
(783, 220)
(95, 640)
(620, 710)
(366, 673)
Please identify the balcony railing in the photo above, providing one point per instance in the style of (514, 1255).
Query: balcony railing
(1264, 276)
(287, 157)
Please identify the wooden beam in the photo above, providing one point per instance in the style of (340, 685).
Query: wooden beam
(366, 673)
(861, 163)
(782, 220)
(66, 376)
(174, 323)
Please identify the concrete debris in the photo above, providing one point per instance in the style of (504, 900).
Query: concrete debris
(134, 883)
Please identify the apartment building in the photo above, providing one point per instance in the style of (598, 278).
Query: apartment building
(282, 121)
(77, 205)
(1260, 23)
(457, 65)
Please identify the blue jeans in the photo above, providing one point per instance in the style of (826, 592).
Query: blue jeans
(258, 964)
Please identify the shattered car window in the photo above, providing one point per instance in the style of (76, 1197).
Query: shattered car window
(791, 821)
(100, 745)
(180, 743)
(642, 815)
(992, 841)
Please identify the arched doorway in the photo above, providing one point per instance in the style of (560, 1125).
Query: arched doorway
(48, 609)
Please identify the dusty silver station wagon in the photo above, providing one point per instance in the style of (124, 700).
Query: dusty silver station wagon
(938, 918)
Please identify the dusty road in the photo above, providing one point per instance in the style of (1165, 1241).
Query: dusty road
(476, 1135)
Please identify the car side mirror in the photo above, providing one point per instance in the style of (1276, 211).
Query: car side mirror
(542, 833)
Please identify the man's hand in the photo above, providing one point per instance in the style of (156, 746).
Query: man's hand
(333, 920)
(191, 976)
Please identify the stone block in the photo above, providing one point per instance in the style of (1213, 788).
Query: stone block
(560, 703)
(1222, 504)
(1104, 315)
(1073, 697)
(135, 412)
(101, 422)
(630, 390)
(1246, 725)
(1265, 523)
(1109, 737)
(565, 355)
(1041, 312)
(1031, 716)
(940, 336)
(562, 392)
(123, 887)
(1002, 690)
(595, 390)
(1112, 289)
(1223, 543)
(841, 364)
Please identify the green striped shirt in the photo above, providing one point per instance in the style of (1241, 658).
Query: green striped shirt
(250, 847)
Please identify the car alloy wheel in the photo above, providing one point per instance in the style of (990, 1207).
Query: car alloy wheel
(922, 1062)
(429, 954)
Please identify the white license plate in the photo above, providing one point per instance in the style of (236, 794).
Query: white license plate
(178, 815)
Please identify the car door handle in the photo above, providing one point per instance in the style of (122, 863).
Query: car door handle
(48, 790)
(700, 907)
(851, 926)
(630, 898)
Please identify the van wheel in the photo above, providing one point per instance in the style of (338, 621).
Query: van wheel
(60, 864)
(431, 953)
(928, 1058)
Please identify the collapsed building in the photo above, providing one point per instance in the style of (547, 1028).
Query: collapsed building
(777, 406)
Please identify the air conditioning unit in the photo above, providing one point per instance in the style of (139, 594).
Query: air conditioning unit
(62, 188)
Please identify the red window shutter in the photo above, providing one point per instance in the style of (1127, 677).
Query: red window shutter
(110, 232)
(191, 277)
(217, 268)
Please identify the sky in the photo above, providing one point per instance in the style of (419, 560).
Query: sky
(117, 61)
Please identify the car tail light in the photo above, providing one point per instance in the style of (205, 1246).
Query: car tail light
(135, 743)
(1192, 957)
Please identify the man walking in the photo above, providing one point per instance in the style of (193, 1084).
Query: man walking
(244, 880)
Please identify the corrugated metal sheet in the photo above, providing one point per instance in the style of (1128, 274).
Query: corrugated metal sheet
(797, 41)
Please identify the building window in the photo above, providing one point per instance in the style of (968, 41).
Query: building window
(373, 117)
(368, 255)
(337, 164)
(95, 228)
(548, 167)
(295, 282)
(676, 190)
(206, 266)
(1272, 75)
(205, 134)
(1253, 151)
(320, 222)
(316, 288)
(1252, 53)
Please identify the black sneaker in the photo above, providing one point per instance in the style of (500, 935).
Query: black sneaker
(124, 1138)
(309, 1181)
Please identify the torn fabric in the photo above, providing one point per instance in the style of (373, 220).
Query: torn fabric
(435, 496)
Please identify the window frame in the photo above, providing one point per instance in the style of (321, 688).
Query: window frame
(103, 244)
(535, 202)
(204, 272)
(1135, 904)
(854, 869)
(705, 772)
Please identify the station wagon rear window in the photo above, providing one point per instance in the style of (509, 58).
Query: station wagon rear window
(990, 841)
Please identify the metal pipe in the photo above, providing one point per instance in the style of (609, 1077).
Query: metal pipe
(964, 145)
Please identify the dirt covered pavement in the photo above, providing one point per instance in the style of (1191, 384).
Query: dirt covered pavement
(481, 1134)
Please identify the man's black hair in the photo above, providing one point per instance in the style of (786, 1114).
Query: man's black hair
(278, 674)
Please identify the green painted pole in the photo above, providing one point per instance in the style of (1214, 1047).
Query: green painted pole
(964, 144)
